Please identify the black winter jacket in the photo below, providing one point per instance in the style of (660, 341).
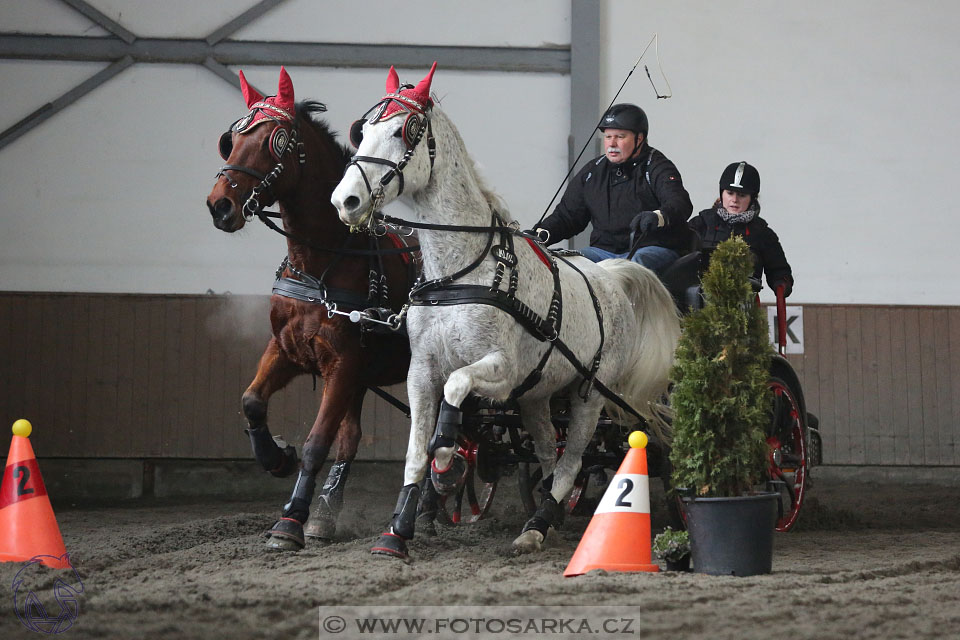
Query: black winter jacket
(768, 255)
(611, 195)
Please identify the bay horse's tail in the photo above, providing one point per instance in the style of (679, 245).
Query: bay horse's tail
(647, 369)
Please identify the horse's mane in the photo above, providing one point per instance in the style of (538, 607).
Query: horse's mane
(310, 111)
(494, 200)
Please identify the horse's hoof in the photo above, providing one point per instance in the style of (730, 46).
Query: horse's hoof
(450, 479)
(425, 525)
(390, 544)
(528, 542)
(289, 463)
(322, 523)
(286, 535)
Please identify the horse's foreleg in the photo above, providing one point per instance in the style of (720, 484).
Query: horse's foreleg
(339, 388)
(489, 377)
(583, 423)
(423, 410)
(323, 520)
(274, 372)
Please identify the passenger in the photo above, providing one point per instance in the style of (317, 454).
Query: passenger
(737, 212)
(631, 194)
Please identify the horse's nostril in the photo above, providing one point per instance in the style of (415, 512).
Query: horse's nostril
(352, 202)
(221, 207)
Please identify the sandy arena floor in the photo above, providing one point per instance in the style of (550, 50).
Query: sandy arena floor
(867, 560)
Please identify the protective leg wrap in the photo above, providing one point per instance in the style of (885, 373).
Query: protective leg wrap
(392, 542)
(323, 520)
(298, 507)
(448, 426)
(548, 514)
(428, 508)
(279, 462)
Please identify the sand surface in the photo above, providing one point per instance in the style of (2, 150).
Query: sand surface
(866, 560)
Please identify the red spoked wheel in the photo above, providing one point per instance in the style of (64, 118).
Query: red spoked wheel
(479, 494)
(788, 460)
(529, 476)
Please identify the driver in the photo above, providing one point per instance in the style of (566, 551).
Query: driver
(632, 194)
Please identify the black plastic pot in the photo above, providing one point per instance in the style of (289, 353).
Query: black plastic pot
(732, 536)
(683, 564)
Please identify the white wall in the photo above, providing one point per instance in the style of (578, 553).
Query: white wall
(108, 195)
(848, 109)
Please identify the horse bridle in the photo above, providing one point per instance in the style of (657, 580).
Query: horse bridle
(415, 126)
(281, 144)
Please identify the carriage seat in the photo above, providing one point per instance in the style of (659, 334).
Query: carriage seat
(682, 280)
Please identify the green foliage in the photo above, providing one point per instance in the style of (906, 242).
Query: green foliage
(671, 545)
(720, 397)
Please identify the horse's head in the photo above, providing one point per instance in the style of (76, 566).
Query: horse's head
(395, 149)
(262, 154)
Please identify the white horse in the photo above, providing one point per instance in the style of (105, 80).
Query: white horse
(465, 340)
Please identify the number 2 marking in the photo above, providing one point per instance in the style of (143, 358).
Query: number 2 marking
(627, 485)
(24, 474)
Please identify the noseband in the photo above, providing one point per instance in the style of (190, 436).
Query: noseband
(280, 143)
(416, 114)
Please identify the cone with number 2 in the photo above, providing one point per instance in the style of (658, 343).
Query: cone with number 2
(618, 536)
(28, 527)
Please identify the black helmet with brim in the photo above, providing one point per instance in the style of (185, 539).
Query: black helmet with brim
(625, 116)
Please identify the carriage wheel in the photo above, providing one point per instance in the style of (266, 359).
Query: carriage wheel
(479, 494)
(789, 461)
(529, 476)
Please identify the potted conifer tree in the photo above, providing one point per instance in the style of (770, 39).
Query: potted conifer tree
(720, 400)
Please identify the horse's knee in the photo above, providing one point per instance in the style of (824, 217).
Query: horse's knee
(254, 408)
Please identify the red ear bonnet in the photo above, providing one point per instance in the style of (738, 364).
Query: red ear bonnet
(249, 93)
(280, 107)
(393, 82)
(419, 94)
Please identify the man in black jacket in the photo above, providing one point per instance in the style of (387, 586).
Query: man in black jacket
(633, 195)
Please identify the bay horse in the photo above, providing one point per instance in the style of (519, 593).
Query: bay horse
(497, 316)
(283, 152)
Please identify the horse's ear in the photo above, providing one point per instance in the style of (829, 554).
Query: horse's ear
(423, 89)
(393, 81)
(249, 93)
(285, 90)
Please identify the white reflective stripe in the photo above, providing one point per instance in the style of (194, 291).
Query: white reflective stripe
(661, 221)
(738, 175)
(626, 493)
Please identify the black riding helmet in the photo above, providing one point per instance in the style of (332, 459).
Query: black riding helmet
(625, 116)
(741, 177)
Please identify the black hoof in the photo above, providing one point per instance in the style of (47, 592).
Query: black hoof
(288, 465)
(390, 544)
(286, 535)
(450, 479)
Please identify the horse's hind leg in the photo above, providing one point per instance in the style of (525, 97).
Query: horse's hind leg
(323, 520)
(583, 423)
(274, 372)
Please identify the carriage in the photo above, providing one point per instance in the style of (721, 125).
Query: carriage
(334, 298)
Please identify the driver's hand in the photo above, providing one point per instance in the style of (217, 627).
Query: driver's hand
(645, 222)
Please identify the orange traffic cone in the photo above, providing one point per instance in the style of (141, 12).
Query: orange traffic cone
(618, 536)
(28, 527)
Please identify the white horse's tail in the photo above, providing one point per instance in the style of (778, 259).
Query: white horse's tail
(646, 375)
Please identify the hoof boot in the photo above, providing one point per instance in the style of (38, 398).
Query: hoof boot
(286, 535)
(289, 463)
(447, 482)
(390, 544)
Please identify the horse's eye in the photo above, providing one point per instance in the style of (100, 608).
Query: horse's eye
(398, 133)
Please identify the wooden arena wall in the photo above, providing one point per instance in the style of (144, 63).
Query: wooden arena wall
(157, 376)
